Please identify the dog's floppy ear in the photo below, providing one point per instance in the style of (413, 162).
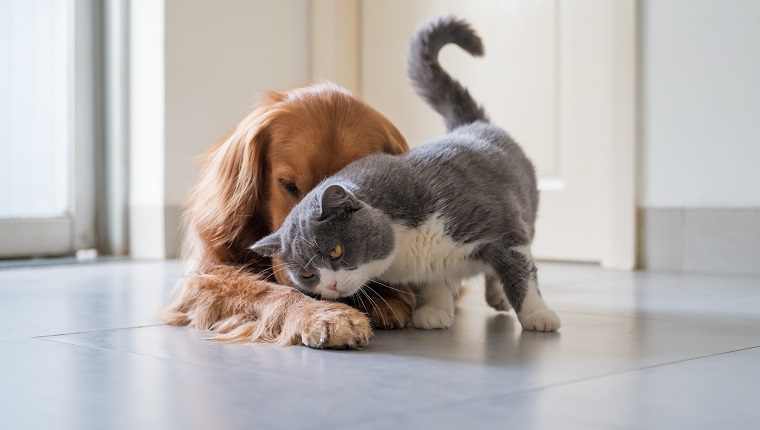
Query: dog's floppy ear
(225, 206)
(269, 245)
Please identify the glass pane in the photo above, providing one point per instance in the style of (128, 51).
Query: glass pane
(35, 99)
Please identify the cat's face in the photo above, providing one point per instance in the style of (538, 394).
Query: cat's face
(331, 244)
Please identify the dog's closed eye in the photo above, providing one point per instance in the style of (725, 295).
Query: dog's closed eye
(290, 187)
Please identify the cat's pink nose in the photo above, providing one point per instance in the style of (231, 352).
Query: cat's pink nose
(333, 286)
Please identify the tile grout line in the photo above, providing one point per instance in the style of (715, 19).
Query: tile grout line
(43, 336)
(684, 360)
(176, 360)
(120, 351)
(474, 400)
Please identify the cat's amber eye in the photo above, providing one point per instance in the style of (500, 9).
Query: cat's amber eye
(307, 275)
(336, 252)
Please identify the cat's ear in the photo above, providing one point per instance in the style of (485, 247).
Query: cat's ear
(337, 198)
(268, 246)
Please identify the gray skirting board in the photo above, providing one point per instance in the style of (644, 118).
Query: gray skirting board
(700, 240)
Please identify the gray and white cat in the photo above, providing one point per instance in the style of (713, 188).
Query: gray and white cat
(453, 208)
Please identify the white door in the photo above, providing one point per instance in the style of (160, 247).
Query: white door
(550, 77)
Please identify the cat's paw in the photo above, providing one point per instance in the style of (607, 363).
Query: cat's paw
(428, 317)
(338, 327)
(543, 319)
(498, 300)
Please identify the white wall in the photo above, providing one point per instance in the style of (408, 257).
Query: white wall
(701, 103)
(220, 58)
(196, 69)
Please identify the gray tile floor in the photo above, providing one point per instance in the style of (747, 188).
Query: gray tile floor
(80, 349)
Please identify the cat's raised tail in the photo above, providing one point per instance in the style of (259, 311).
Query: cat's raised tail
(442, 92)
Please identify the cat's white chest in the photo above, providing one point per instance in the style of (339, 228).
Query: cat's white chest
(427, 254)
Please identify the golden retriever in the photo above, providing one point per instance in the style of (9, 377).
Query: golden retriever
(250, 182)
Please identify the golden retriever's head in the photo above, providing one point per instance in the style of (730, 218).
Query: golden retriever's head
(277, 154)
(318, 131)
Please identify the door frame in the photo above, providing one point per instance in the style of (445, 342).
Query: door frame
(336, 32)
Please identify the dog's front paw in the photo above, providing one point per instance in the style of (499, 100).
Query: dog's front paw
(389, 314)
(336, 326)
(543, 319)
(428, 317)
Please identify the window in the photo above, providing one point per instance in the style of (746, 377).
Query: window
(47, 126)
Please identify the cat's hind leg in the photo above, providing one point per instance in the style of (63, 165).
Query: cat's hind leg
(495, 296)
(517, 271)
(437, 308)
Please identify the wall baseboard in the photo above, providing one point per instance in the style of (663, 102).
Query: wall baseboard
(700, 240)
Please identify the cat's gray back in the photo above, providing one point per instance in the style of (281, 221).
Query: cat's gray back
(476, 178)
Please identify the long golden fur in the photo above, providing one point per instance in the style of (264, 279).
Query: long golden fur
(250, 182)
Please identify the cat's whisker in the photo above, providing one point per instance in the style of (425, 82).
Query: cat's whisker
(284, 267)
(386, 304)
(394, 289)
(312, 259)
(279, 269)
(314, 244)
(306, 240)
(363, 304)
(375, 306)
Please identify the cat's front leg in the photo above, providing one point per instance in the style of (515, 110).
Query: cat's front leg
(437, 309)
